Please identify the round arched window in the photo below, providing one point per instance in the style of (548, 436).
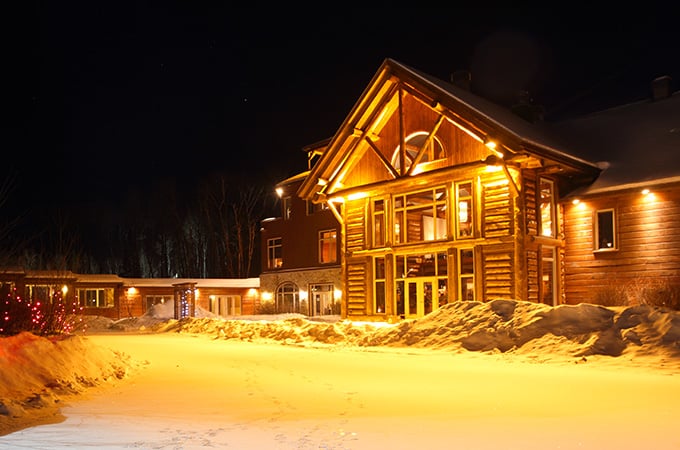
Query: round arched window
(288, 298)
(412, 145)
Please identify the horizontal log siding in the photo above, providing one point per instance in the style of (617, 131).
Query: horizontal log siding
(355, 226)
(648, 254)
(532, 276)
(531, 206)
(497, 208)
(356, 288)
(356, 292)
(498, 267)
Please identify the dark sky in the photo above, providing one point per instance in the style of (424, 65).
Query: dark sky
(106, 95)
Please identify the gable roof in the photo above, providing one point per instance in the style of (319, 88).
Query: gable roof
(486, 118)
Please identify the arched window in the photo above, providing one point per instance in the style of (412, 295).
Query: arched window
(288, 298)
(412, 145)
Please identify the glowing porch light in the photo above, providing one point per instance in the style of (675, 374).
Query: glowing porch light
(266, 295)
(64, 289)
(252, 292)
(303, 295)
(131, 291)
(279, 191)
(337, 294)
(645, 191)
(575, 201)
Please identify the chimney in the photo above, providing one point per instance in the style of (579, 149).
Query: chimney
(461, 78)
(661, 87)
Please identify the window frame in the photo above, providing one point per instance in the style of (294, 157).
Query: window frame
(553, 208)
(400, 215)
(597, 247)
(471, 209)
(460, 276)
(333, 246)
(103, 295)
(274, 244)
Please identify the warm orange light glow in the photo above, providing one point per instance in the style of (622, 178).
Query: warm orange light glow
(357, 196)
(252, 292)
(279, 191)
(266, 295)
(64, 289)
(645, 191)
(337, 294)
(132, 291)
(576, 201)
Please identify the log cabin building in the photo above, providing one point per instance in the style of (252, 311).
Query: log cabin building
(442, 196)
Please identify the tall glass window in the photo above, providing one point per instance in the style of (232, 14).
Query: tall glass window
(379, 276)
(464, 209)
(378, 223)
(547, 207)
(466, 274)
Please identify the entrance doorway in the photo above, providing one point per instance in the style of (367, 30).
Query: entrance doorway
(416, 299)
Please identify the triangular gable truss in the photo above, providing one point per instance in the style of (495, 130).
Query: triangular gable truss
(380, 101)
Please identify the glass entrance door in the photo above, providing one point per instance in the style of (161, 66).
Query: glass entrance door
(418, 298)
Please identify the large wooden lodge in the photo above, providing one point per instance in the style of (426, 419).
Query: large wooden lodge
(441, 196)
(428, 194)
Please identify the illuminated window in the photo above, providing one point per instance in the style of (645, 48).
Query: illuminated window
(464, 209)
(466, 274)
(547, 208)
(95, 298)
(378, 223)
(228, 305)
(274, 253)
(420, 216)
(328, 246)
(379, 292)
(605, 230)
(412, 145)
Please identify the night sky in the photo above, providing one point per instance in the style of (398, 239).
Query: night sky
(101, 96)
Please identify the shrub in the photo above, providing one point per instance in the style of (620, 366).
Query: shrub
(42, 317)
(266, 307)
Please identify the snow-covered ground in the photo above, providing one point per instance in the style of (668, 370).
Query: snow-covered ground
(502, 374)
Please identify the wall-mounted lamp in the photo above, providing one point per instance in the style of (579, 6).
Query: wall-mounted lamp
(279, 191)
(490, 143)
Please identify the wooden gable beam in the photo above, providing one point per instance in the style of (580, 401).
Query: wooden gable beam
(402, 138)
(382, 158)
(428, 141)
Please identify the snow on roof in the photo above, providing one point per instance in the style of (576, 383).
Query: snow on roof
(199, 282)
(534, 134)
(636, 143)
